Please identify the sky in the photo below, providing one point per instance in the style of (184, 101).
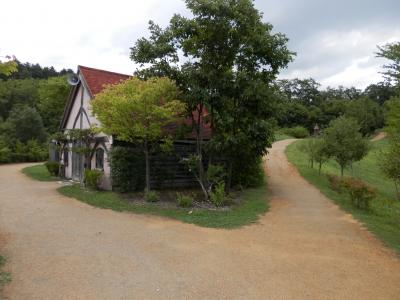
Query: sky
(335, 41)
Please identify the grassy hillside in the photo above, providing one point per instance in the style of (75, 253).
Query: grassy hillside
(384, 218)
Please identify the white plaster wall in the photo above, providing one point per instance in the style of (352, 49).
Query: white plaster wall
(75, 110)
(106, 179)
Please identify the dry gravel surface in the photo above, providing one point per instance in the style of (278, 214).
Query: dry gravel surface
(304, 248)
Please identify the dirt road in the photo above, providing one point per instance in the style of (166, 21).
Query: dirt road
(304, 248)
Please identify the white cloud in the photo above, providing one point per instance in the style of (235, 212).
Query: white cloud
(65, 34)
(100, 33)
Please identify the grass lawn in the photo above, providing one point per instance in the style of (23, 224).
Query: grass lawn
(253, 203)
(5, 277)
(279, 136)
(384, 218)
(39, 172)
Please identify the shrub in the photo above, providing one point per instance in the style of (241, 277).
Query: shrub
(92, 178)
(360, 193)
(127, 169)
(335, 183)
(218, 195)
(5, 155)
(184, 200)
(297, 132)
(249, 174)
(53, 167)
(151, 196)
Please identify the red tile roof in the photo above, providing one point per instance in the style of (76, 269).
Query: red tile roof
(96, 79)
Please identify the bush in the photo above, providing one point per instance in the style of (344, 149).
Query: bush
(336, 183)
(184, 200)
(151, 196)
(297, 132)
(92, 178)
(5, 155)
(249, 174)
(218, 195)
(53, 167)
(360, 193)
(127, 169)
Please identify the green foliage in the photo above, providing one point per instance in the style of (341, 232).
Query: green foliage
(5, 277)
(32, 151)
(184, 200)
(137, 111)
(151, 196)
(344, 142)
(8, 67)
(249, 174)
(53, 167)
(368, 114)
(316, 150)
(392, 53)
(297, 132)
(360, 193)
(39, 172)
(127, 169)
(52, 95)
(17, 93)
(26, 124)
(218, 197)
(227, 69)
(335, 182)
(5, 151)
(304, 91)
(30, 108)
(390, 159)
(383, 217)
(254, 202)
(92, 178)
(215, 173)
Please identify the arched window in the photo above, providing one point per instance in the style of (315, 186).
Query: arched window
(100, 158)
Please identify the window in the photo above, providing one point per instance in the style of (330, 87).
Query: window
(66, 156)
(99, 158)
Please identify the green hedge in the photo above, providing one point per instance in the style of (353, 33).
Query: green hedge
(127, 169)
(297, 132)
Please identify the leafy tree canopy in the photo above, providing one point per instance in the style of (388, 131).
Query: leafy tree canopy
(138, 112)
(345, 142)
(392, 53)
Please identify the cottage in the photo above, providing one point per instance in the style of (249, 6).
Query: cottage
(78, 115)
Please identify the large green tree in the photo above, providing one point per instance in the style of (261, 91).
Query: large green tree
(344, 142)
(8, 66)
(137, 111)
(26, 124)
(368, 114)
(392, 53)
(224, 58)
(390, 162)
(52, 94)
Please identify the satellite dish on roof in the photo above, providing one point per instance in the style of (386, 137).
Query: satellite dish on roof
(73, 79)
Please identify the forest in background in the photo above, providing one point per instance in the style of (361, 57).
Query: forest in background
(33, 98)
(32, 101)
(303, 103)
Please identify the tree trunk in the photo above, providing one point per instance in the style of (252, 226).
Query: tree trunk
(341, 170)
(147, 161)
(320, 167)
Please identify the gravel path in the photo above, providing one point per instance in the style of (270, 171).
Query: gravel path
(304, 248)
(380, 136)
